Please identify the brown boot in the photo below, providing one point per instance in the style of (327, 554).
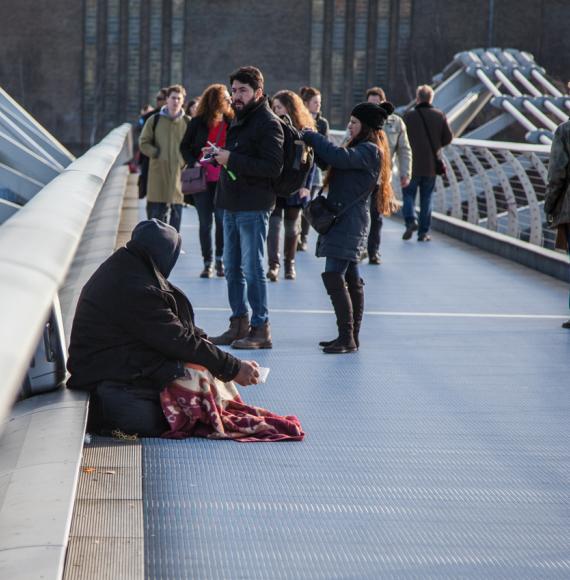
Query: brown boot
(273, 234)
(273, 273)
(239, 327)
(290, 250)
(258, 337)
(290, 273)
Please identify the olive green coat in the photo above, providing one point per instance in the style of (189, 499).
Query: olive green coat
(557, 199)
(162, 147)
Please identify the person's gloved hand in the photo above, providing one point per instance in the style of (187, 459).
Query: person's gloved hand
(248, 373)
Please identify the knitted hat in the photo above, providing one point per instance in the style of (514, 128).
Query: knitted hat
(373, 115)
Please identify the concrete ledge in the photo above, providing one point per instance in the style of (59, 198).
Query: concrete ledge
(42, 444)
(546, 261)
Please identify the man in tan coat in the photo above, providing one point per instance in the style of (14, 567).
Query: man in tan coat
(160, 142)
(400, 149)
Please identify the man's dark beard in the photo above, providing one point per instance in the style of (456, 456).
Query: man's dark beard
(241, 113)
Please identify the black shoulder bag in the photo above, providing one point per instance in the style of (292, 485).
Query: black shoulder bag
(440, 168)
(322, 216)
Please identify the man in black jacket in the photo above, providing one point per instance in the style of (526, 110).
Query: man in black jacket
(428, 131)
(253, 157)
(132, 333)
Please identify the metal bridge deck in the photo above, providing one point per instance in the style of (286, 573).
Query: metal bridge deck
(439, 450)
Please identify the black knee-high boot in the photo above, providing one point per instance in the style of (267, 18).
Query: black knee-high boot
(273, 247)
(356, 291)
(342, 304)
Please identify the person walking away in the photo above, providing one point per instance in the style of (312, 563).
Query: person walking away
(252, 158)
(287, 103)
(160, 141)
(428, 131)
(356, 170)
(396, 132)
(557, 199)
(209, 124)
(312, 99)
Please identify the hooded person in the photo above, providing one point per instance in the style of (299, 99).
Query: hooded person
(132, 333)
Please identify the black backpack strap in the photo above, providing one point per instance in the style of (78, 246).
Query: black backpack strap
(155, 119)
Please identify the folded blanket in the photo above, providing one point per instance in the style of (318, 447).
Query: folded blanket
(199, 405)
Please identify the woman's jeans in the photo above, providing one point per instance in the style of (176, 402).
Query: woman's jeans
(345, 267)
(426, 185)
(245, 234)
(159, 210)
(207, 213)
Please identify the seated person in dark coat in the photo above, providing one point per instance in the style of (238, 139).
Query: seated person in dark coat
(132, 333)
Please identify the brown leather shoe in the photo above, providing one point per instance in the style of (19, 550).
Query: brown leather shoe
(258, 337)
(208, 271)
(273, 273)
(290, 273)
(239, 328)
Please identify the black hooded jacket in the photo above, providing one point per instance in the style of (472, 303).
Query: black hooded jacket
(132, 326)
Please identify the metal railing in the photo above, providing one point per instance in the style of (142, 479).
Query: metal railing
(37, 246)
(497, 185)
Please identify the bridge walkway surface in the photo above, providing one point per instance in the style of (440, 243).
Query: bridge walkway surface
(439, 450)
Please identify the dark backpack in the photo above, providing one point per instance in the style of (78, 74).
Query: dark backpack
(297, 161)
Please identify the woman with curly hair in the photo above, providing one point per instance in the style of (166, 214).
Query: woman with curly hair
(210, 123)
(288, 210)
(356, 170)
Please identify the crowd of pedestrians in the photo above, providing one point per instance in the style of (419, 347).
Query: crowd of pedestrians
(134, 343)
(238, 140)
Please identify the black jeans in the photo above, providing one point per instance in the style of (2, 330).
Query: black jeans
(376, 221)
(127, 408)
(207, 214)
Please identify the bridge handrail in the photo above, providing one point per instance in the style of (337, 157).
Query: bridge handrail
(51, 226)
(506, 145)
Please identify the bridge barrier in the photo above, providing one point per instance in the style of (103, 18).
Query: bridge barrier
(47, 249)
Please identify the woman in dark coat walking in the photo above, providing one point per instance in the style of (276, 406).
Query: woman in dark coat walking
(355, 171)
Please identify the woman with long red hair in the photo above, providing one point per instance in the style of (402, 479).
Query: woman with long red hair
(355, 171)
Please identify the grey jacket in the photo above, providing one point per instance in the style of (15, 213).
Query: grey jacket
(557, 199)
(395, 130)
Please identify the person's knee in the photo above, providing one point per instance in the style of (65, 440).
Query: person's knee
(291, 228)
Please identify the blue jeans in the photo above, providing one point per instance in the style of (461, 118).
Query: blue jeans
(207, 214)
(159, 210)
(426, 185)
(345, 267)
(245, 233)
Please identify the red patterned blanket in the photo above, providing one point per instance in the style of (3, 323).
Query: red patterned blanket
(199, 405)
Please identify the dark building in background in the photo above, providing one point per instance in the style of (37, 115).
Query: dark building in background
(82, 67)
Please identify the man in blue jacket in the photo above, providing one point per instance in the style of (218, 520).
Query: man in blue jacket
(253, 157)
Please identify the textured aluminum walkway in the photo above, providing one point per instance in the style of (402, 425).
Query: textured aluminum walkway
(439, 450)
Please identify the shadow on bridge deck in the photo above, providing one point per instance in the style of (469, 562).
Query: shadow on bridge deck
(440, 449)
